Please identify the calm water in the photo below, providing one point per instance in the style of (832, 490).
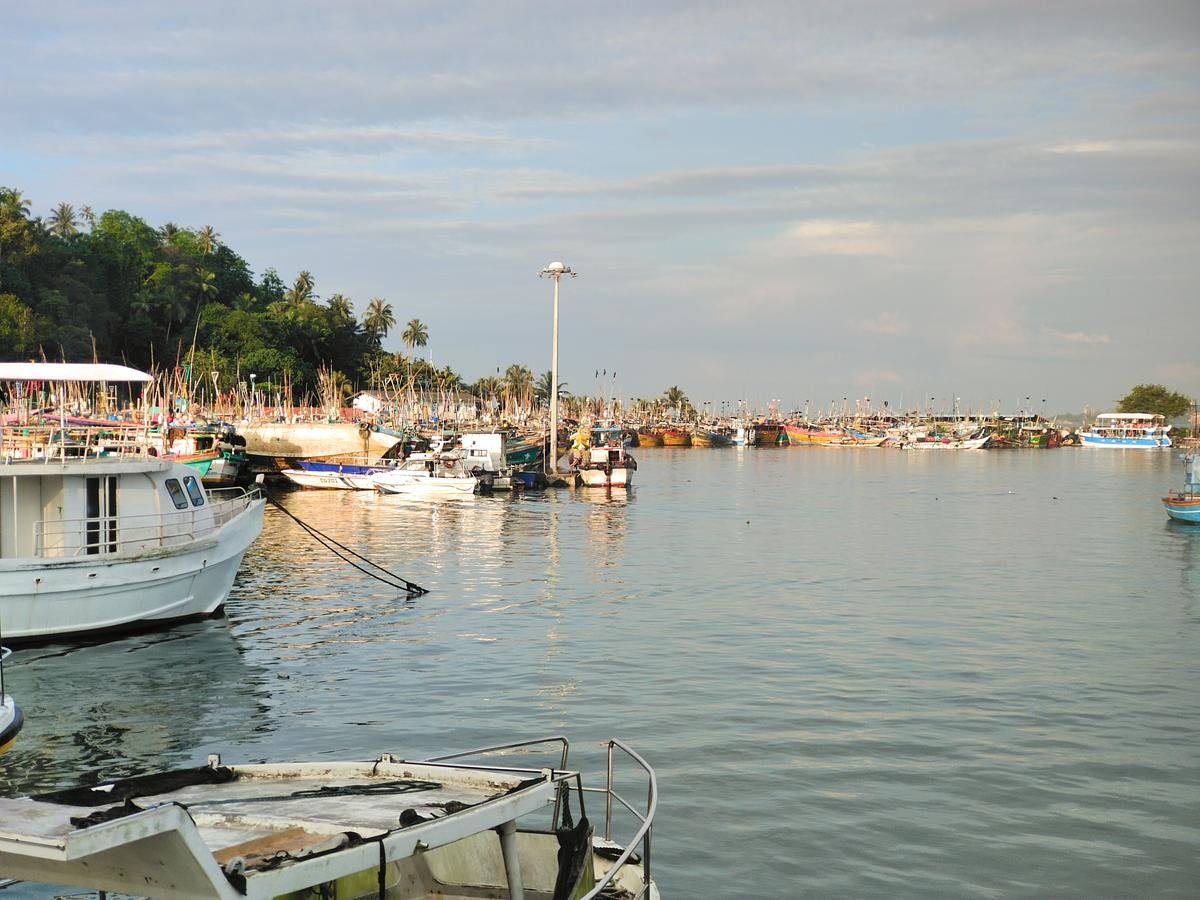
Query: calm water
(857, 672)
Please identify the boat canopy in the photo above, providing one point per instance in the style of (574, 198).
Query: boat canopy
(1126, 416)
(35, 371)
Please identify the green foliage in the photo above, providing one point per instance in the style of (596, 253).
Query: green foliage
(1154, 398)
(141, 294)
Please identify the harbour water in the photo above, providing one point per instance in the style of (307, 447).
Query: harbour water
(857, 672)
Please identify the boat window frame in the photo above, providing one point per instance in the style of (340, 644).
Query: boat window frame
(176, 493)
(194, 491)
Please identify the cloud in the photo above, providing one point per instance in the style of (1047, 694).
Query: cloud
(1080, 338)
(886, 323)
(833, 238)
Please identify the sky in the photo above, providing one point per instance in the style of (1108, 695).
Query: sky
(796, 202)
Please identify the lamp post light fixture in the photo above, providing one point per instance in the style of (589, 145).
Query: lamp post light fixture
(555, 271)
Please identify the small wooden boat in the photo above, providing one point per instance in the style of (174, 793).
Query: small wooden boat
(1184, 505)
(444, 827)
(768, 433)
(812, 434)
(707, 437)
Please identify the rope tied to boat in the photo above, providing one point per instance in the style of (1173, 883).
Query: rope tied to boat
(391, 580)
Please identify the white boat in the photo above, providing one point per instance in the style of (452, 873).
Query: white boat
(95, 543)
(440, 827)
(609, 466)
(441, 474)
(486, 459)
(1127, 431)
(977, 441)
(11, 717)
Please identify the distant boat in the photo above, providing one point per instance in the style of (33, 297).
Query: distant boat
(649, 437)
(439, 475)
(1184, 505)
(607, 467)
(768, 433)
(812, 434)
(676, 437)
(946, 442)
(274, 446)
(1127, 431)
(709, 437)
(313, 474)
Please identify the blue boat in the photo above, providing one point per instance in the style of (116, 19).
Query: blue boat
(1127, 431)
(1184, 505)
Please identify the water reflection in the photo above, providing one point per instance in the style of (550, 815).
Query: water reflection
(605, 524)
(122, 707)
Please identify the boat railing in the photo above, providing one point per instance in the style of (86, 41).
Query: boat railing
(127, 534)
(612, 800)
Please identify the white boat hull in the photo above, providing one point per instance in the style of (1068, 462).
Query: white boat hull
(619, 477)
(75, 596)
(428, 486)
(973, 444)
(335, 481)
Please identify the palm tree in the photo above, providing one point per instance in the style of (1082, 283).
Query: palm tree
(63, 221)
(676, 399)
(301, 291)
(378, 318)
(207, 239)
(541, 391)
(168, 232)
(518, 387)
(89, 216)
(415, 334)
(341, 309)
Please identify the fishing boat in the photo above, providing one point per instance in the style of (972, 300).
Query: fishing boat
(11, 717)
(803, 434)
(675, 436)
(95, 542)
(608, 466)
(649, 437)
(486, 457)
(444, 827)
(769, 433)
(1184, 505)
(1127, 431)
(710, 437)
(975, 441)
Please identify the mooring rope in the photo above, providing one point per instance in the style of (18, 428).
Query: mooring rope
(398, 581)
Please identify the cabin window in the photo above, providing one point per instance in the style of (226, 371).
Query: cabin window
(100, 499)
(178, 497)
(194, 490)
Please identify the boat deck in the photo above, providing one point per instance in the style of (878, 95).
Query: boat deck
(263, 830)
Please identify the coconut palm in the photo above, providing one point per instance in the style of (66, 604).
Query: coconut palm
(168, 232)
(518, 387)
(378, 318)
(208, 239)
(415, 334)
(89, 216)
(541, 391)
(301, 291)
(341, 309)
(63, 222)
(676, 399)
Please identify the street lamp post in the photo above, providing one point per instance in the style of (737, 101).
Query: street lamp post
(554, 271)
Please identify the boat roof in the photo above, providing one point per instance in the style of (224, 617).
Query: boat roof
(258, 830)
(1120, 415)
(46, 371)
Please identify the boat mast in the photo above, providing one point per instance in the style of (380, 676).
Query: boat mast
(555, 271)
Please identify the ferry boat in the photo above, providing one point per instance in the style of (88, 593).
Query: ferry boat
(1128, 431)
(1184, 505)
(444, 827)
(95, 542)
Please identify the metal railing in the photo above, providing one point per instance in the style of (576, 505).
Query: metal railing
(109, 535)
(646, 819)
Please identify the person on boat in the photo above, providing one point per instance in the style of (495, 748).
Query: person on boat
(580, 442)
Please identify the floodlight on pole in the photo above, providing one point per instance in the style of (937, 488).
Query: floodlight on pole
(555, 271)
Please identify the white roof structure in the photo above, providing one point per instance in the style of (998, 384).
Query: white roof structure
(26, 371)
(1145, 416)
